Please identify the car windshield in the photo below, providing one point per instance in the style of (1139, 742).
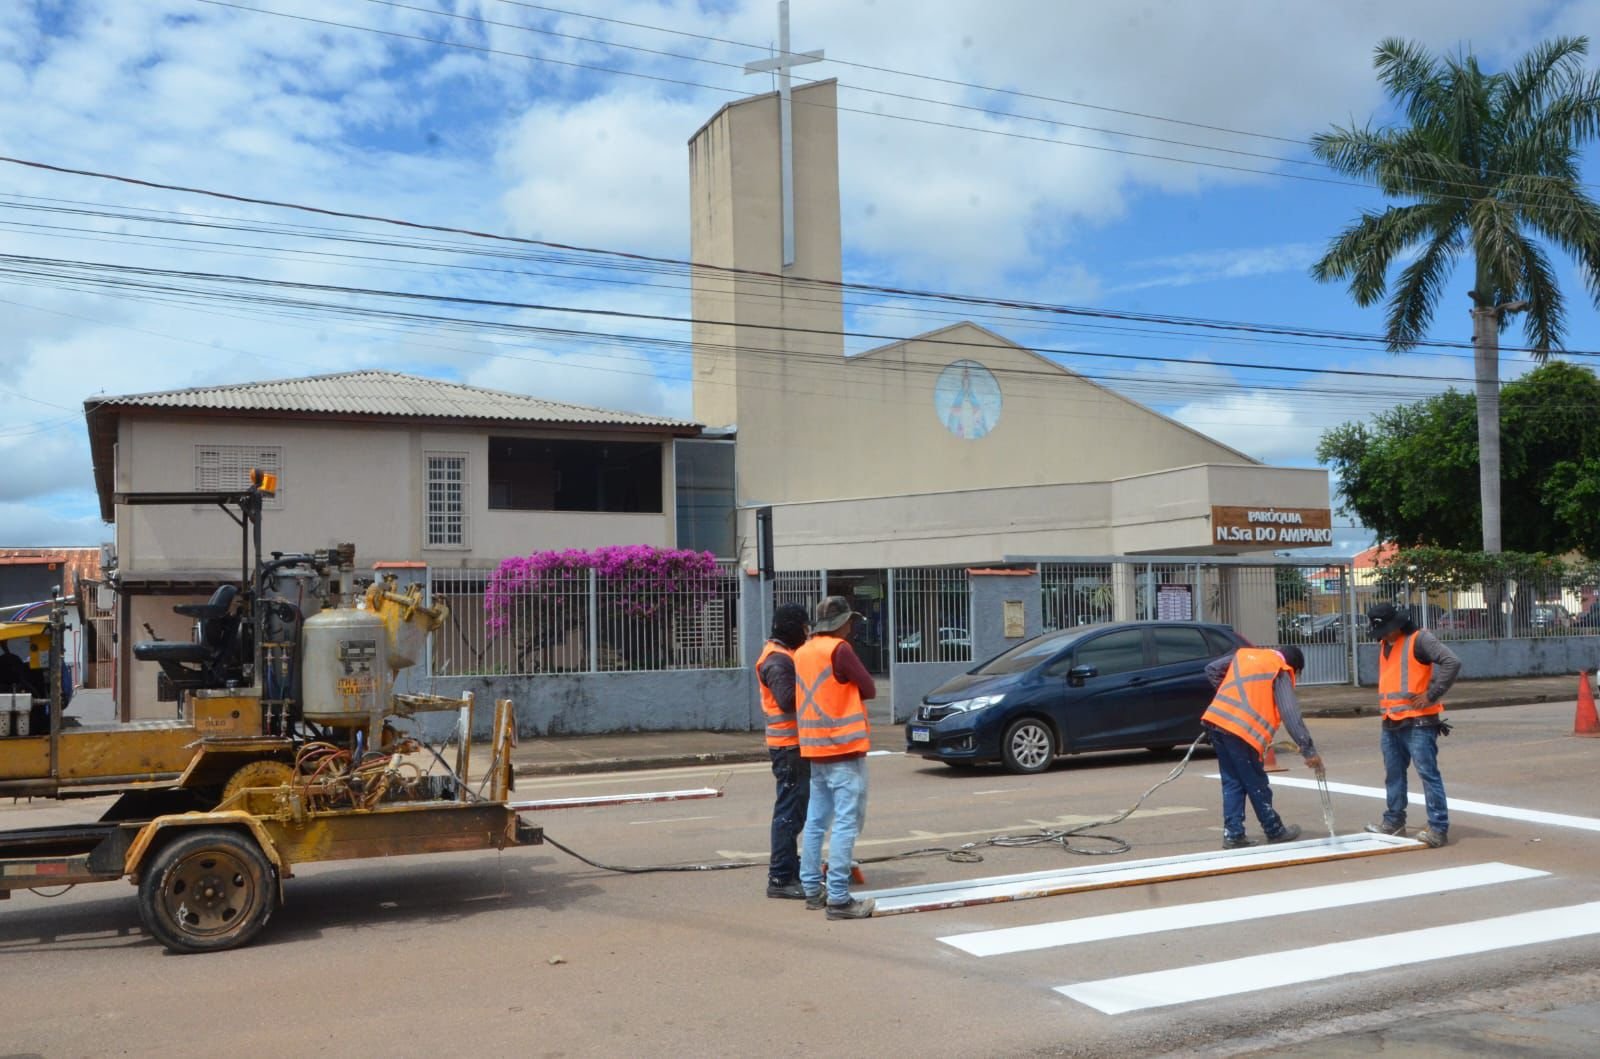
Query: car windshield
(1024, 655)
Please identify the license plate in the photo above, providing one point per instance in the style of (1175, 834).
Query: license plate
(919, 735)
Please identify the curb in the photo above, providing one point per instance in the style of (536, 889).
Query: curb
(638, 764)
(1530, 699)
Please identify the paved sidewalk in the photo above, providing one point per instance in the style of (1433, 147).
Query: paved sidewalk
(648, 750)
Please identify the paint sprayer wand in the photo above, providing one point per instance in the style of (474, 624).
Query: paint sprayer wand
(1327, 802)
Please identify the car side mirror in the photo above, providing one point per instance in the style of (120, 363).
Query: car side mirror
(1078, 674)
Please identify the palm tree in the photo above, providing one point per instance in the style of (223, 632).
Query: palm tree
(1489, 163)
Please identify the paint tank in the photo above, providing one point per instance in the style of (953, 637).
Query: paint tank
(344, 673)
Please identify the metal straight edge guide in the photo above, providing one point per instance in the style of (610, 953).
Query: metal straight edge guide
(966, 892)
(592, 801)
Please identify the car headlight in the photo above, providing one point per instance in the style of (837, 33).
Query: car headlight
(978, 703)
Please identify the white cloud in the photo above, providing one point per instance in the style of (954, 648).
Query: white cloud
(171, 90)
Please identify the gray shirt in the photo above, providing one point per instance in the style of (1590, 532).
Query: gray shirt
(1282, 694)
(1430, 652)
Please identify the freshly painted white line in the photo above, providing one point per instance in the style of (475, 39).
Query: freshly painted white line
(932, 896)
(1274, 970)
(1234, 909)
(1457, 805)
(881, 753)
(672, 820)
(930, 836)
(997, 790)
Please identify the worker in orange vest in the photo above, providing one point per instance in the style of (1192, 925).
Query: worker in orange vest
(1414, 672)
(1255, 692)
(832, 687)
(792, 773)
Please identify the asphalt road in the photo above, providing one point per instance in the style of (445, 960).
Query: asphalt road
(531, 952)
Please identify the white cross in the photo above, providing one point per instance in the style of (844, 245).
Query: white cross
(783, 62)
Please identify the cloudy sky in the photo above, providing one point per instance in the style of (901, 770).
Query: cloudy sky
(1005, 149)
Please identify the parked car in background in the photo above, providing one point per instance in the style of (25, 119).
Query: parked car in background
(1464, 622)
(1551, 616)
(954, 642)
(1589, 619)
(1112, 686)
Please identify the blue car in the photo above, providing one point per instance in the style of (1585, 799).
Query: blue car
(1117, 686)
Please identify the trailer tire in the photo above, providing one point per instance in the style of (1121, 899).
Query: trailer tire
(207, 890)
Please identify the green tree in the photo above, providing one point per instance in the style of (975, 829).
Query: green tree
(1408, 474)
(1489, 164)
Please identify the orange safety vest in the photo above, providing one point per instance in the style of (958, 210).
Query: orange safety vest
(782, 730)
(1244, 704)
(1400, 676)
(833, 719)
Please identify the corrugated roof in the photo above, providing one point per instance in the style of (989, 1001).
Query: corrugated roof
(386, 393)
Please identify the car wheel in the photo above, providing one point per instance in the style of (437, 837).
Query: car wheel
(206, 891)
(1029, 746)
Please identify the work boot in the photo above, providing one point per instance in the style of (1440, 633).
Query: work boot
(1429, 837)
(1240, 842)
(790, 890)
(855, 908)
(1289, 833)
(1386, 828)
(816, 900)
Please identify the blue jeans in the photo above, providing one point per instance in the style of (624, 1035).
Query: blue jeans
(839, 803)
(1416, 745)
(1243, 776)
(793, 775)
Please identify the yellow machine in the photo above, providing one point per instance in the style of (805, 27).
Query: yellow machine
(266, 672)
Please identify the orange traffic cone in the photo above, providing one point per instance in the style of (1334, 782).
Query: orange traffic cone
(1269, 761)
(855, 873)
(1586, 722)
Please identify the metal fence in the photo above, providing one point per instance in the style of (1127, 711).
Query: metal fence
(1307, 605)
(586, 623)
(1532, 608)
(805, 587)
(930, 612)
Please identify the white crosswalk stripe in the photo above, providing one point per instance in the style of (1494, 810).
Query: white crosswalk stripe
(1365, 906)
(1207, 981)
(1233, 910)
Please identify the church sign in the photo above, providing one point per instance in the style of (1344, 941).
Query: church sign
(1279, 527)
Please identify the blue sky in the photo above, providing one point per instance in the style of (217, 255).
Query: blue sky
(197, 93)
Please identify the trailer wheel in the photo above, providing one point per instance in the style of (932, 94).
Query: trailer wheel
(206, 891)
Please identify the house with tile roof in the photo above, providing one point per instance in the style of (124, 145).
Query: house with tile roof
(412, 470)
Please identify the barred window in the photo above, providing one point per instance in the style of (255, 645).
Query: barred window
(225, 468)
(446, 519)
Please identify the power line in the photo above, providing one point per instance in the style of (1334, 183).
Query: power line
(1010, 134)
(952, 82)
(764, 276)
(498, 303)
(387, 263)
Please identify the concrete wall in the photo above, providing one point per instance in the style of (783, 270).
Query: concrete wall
(1488, 659)
(347, 482)
(603, 703)
(986, 620)
(1166, 513)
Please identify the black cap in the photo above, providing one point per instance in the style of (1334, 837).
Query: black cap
(1384, 618)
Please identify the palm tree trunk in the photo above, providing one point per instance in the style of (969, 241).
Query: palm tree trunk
(1486, 361)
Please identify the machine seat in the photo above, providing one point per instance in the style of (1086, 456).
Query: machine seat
(172, 651)
(204, 611)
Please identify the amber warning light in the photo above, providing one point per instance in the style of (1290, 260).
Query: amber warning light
(265, 482)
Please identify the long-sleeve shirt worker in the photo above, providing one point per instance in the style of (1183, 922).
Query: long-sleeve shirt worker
(1430, 652)
(1282, 694)
(777, 673)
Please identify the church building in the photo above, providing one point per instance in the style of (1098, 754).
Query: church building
(957, 446)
